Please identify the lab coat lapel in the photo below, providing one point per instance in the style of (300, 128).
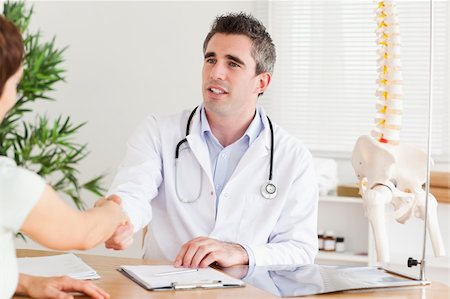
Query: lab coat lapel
(199, 147)
(258, 149)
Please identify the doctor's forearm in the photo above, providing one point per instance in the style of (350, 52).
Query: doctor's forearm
(284, 253)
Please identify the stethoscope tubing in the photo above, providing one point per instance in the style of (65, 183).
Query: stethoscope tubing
(264, 188)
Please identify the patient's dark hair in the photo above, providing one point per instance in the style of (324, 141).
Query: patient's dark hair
(263, 50)
(11, 51)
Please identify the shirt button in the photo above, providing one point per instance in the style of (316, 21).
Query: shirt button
(226, 194)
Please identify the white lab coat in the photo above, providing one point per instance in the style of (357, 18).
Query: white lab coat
(279, 231)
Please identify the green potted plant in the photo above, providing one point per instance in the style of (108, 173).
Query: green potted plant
(45, 146)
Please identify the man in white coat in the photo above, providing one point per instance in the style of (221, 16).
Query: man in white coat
(225, 200)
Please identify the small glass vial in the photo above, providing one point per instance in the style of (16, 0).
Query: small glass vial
(340, 245)
(320, 237)
(329, 241)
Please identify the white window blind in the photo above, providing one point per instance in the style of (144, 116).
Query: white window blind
(324, 83)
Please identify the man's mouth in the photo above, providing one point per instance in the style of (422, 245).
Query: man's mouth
(217, 91)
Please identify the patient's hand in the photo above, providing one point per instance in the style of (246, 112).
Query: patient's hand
(57, 287)
(112, 198)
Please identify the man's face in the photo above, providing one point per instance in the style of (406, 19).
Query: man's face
(230, 85)
(9, 95)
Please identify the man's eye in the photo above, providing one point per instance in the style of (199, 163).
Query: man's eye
(233, 64)
(210, 60)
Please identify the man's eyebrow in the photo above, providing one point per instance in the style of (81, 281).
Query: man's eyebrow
(229, 56)
(235, 59)
(210, 54)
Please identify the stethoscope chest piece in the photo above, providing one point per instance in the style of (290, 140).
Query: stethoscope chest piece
(269, 190)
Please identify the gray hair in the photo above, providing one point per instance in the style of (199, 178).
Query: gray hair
(263, 50)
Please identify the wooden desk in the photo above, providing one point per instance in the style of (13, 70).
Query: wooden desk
(118, 286)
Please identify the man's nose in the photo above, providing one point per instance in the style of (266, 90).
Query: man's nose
(218, 72)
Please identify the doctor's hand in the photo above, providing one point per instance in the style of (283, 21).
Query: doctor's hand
(122, 237)
(57, 287)
(202, 251)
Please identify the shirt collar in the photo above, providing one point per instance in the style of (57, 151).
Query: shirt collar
(252, 132)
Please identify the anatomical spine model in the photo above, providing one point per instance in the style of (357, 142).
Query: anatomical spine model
(388, 171)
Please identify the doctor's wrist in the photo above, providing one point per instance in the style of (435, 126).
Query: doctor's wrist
(244, 258)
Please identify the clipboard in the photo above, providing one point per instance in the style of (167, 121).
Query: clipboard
(148, 277)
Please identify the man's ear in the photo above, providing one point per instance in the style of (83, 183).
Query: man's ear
(263, 82)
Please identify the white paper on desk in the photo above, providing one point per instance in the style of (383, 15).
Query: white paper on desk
(57, 265)
(145, 275)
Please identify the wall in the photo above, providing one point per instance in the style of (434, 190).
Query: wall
(125, 60)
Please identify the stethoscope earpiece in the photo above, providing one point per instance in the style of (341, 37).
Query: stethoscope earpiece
(269, 190)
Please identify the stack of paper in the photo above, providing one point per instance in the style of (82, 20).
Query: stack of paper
(63, 264)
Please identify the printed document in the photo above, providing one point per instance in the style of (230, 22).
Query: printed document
(63, 264)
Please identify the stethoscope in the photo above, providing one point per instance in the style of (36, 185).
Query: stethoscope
(268, 189)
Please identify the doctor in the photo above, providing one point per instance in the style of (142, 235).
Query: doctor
(221, 183)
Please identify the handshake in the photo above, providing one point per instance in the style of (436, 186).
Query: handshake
(122, 237)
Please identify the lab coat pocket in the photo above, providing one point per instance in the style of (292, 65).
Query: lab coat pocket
(189, 176)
